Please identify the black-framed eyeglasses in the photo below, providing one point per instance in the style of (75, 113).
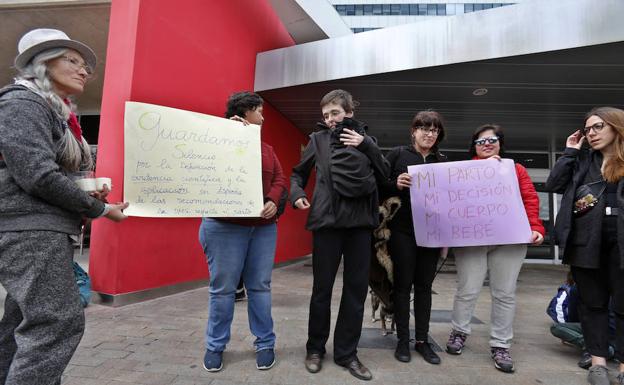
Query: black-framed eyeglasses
(77, 65)
(482, 141)
(597, 127)
(435, 131)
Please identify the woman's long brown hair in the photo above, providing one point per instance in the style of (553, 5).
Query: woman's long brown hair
(614, 117)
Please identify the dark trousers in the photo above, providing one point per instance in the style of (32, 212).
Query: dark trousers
(329, 245)
(596, 287)
(43, 319)
(412, 266)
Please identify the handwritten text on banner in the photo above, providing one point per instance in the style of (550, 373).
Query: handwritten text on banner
(469, 203)
(185, 164)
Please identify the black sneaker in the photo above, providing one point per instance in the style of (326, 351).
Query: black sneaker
(402, 352)
(585, 361)
(502, 360)
(424, 348)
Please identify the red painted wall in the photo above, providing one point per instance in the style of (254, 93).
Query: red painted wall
(188, 54)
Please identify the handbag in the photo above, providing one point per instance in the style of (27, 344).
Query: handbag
(586, 197)
(84, 284)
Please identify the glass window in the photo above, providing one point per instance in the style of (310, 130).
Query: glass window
(487, 6)
(359, 10)
(395, 9)
(478, 7)
(468, 8)
(387, 10)
(441, 9)
(422, 9)
(368, 9)
(405, 9)
(497, 5)
(377, 9)
(450, 9)
(432, 10)
(342, 10)
(350, 10)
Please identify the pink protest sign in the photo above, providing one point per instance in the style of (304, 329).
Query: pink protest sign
(469, 203)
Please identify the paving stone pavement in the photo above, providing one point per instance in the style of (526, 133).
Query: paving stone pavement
(161, 341)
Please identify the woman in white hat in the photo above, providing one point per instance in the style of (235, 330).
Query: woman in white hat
(41, 144)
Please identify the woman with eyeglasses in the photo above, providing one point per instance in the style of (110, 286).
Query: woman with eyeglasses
(41, 207)
(413, 265)
(502, 261)
(589, 226)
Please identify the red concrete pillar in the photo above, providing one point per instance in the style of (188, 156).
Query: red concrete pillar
(188, 54)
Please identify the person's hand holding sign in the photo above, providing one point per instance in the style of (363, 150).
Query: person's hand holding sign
(269, 210)
(404, 181)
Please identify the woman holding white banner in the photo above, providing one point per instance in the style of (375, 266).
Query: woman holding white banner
(41, 207)
(413, 265)
(589, 226)
(502, 261)
(236, 247)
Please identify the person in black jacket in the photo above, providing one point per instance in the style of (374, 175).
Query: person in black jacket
(343, 214)
(590, 225)
(413, 265)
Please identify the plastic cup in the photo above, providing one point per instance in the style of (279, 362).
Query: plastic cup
(100, 182)
(85, 180)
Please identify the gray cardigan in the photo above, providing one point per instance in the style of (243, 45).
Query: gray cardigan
(35, 192)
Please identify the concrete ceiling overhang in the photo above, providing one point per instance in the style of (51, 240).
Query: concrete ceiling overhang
(310, 20)
(544, 64)
(84, 20)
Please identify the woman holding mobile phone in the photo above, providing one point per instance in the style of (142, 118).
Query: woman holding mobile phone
(590, 227)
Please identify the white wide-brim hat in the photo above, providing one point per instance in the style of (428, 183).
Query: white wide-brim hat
(41, 39)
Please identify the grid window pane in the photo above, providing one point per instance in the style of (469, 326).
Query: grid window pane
(386, 9)
(487, 6)
(450, 9)
(368, 9)
(405, 9)
(468, 8)
(350, 10)
(422, 9)
(441, 9)
(432, 10)
(413, 9)
(377, 9)
(478, 7)
(395, 9)
(341, 9)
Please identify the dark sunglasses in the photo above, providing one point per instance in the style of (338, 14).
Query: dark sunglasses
(597, 127)
(482, 141)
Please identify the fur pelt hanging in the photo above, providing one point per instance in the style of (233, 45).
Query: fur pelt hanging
(387, 210)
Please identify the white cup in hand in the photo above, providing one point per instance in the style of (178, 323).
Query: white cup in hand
(100, 182)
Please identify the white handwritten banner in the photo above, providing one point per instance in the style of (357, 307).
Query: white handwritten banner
(469, 203)
(186, 164)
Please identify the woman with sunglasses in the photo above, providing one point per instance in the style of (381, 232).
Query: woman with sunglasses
(588, 229)
(502, 261)
(413, 266)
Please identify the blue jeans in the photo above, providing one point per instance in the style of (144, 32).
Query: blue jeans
(233, 250)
